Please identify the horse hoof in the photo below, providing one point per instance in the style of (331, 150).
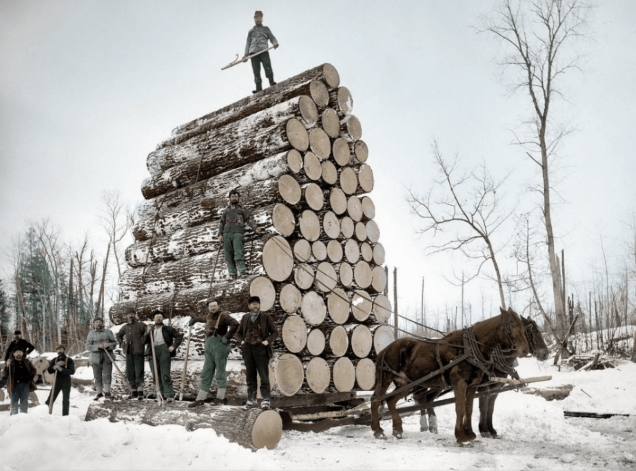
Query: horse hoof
(486, 435)
(433, 430)
(380, 436)
(397, 435)
(422, 429)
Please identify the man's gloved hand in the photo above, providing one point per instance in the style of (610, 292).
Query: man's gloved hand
(276, 46)
(244, 58)
(224, 340)
(119, 351)
(192, 321)
(265, 342)
(171, 349)
(58, 368)
(60, 363)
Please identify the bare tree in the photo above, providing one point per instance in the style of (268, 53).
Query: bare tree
(117, 219)
(538, 34)
(467, 204)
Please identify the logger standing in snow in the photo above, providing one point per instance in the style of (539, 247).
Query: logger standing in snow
(99, 340)
(220, 327)
(256, 334)
(166, 341)
(65, 367)
(231, 230)
(18, 342)
(257, 41)
(19, 373)
(131, 341)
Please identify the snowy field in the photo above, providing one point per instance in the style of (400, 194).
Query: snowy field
(533, 435)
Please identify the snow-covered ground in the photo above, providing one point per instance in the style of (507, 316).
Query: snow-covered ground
(533, 435)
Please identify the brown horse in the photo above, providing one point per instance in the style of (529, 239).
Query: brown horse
(538, 349)
(458, 360)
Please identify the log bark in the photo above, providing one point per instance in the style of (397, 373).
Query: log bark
(381, 308)
(304, 276)
(338, 306)
(337, 201)
(309, 225)
(290, 298)
(331, 225)
(294, 334)
(335, 251)
(361, 305)
(350, 128)
(312, 166)
(312, 82)
(354, 208)
(313, 196)
(330, 123)
(252, 429)
(231, 155)
(313, 308)
(278, 258)
(316, 342)
(344, 374)
(341, 101)
(288, 374)
(326, 277)
(365, 374)
(317, 374)
(368, 207)
(319, 143)
(329, 172)
(348, 180)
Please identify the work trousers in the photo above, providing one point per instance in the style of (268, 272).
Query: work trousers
(163, 365)
(62, 383)
(135, 369)
(256, 361)
(216, 353)
(103, 372)
(20, 398)
(233, 251)
(267, 65)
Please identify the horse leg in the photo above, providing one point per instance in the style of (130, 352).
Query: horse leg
(378, 431)
(459, 388)
(432, 418)
(391, 403)
(423, 420)
(468, 418)
(484, 413)
(491, 410)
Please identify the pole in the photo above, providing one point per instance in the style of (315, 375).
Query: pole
(154, 362)
(185, 364)
(395, 303)
(52, 393)
(238, 61)
(422, 305)
(119, 371)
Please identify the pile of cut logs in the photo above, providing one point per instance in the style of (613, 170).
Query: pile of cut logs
(295, 154)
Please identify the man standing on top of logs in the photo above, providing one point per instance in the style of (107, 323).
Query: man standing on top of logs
(220, 327)
(65, 367)
(256, 334)
(231, 229)
(131, 341)
(19, 373)
(257, 41)
(18, 342)
(166, 340)
(99, 340)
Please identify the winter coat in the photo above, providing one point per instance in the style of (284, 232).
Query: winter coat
(21, 371)
(21, 344)
(227, 324)
(134, 337)
(171, 336)
(96, 338)
(67, 370)
(233, 219)
(257, 39)
(267, 330)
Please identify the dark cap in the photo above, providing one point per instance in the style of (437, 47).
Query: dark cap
(128, 310)
(98, 319)
(17, 332)
(258, 13)
(157, 311)
(233, 192)
(254, 299)
(209, 300)
(60, 346)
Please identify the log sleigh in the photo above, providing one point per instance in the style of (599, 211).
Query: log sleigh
(296, 155)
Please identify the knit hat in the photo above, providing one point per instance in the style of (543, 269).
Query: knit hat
(258, 13)
(254, 299)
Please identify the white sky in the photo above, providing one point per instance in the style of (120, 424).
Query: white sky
(88, 88)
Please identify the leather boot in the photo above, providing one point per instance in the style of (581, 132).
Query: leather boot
(259, 88)
(271, 81)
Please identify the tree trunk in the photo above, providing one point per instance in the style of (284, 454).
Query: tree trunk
(316, 342)
(319, 143)
(288, 374)
(365, 374)
(313, 308)
(361, 305)
(338, 201)
(341, 101)
(344, 374)
(317, 374)
(350, 129)
(330, 123)
(383, 335)
(294, 334)
(338, 306)
(329, 172)
(337, 341)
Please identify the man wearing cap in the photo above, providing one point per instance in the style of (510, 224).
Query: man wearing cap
(166, 339)
(257, 39)
(131, 341)
(220, 327)
(231, 230)
(19, 373)
(256, 334)
(65, 367)
(18, 342)
(99, 341)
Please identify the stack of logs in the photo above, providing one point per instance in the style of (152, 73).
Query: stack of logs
(295, 154)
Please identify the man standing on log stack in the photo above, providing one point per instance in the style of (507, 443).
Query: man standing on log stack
(166, 341)
(18, 342)
(257, 41)
(220, 327)
(231, 230)
(65, 368)
(131, 341)
(256, 334)
(99, 340)
(19, 373)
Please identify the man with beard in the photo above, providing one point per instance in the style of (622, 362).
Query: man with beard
(257, 39)
(64, 366)
(131, 341)
(19, 373)
(256, 334)
(166, 340)
(18, 342)
(98, 341)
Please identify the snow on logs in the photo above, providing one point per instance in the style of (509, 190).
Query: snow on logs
(296, 156)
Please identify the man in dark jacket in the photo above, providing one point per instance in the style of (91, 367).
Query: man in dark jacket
(64, 366)
(257, 41)
(256, 334)
(219, 330)
(19, 373)
(131, 341)
(166, 341)
(18, 342)
(231, 229)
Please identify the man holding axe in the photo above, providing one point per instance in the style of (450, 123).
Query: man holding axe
(63, 367)
(162, 342)
(257, 43)
(131, 341)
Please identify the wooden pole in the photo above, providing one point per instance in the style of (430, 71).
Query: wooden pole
(52, 393)
(185, 364)
(422, 319)
(154, 362)
(119, 371)
(395, 303)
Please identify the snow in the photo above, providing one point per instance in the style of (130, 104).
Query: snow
(534, 434)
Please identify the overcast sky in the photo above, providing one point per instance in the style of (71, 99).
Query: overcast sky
(88, 88)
